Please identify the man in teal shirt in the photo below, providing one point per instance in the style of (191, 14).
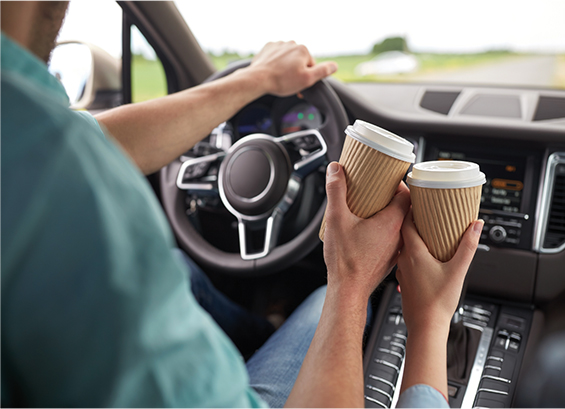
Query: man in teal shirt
(96, 308)
(88, 271)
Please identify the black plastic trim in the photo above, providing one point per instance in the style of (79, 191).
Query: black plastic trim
(439, 101)
(549, 108)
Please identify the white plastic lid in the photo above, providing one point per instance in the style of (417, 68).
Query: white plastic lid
(446, 174)
(382, 140)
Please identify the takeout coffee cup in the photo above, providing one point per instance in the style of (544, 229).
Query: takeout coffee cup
(446, 196)
(374, 161)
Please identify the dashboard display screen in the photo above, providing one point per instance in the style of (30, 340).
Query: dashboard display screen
(300, 117)
(255, 119)
(505, 178)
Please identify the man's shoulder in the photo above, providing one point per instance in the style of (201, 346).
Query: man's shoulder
(41, 134)
(32, 115)
(56, 166)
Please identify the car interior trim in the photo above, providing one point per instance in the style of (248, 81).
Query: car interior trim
(496, 378)
(396, 394)
(364, 98)
(191, 162)
(184, 61)
(553, 161)
(268, 243)
(378, 378)
(495, 391)
(419, 147)
(375, 401)
(477, 370)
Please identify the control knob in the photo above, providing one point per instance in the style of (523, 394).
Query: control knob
(497, 234)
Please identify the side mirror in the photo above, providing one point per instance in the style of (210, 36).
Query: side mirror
(91, 76)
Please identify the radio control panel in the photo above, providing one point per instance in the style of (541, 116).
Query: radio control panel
(505, 230)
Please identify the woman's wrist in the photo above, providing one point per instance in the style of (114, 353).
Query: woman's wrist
(429, 332)
(428, 323)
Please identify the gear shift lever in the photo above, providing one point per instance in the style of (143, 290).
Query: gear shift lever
(461, 345)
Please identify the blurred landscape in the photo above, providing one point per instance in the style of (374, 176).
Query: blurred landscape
(494, 67)
(392, 61)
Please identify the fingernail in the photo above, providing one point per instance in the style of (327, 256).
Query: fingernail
(333, 168)
(478, 227)
(333, 68)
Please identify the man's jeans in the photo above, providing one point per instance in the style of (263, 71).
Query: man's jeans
(274, 367)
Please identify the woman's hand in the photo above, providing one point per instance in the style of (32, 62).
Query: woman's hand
(430, 288)
(430, 294)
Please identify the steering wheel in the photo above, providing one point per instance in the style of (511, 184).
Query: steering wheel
(258, 179)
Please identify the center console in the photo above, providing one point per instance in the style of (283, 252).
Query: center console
(509, 194)
(492, 348)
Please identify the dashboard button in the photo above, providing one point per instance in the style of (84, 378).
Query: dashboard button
(488, 403)
(513, 346)
(497, 234)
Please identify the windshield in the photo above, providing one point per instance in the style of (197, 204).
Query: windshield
(502, 42)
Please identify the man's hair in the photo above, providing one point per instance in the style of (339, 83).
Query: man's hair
(48, 22)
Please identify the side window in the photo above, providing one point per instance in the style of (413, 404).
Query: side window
(148, 80)
(105, 66)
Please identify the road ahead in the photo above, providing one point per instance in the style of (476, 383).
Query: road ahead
(537, 71)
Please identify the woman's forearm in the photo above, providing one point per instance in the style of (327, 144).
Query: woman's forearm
(426, 358)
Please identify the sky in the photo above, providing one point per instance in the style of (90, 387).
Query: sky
(344, 27)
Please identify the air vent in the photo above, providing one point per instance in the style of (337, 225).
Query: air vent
(550, 108)
(555, 233)
(439, 101)
(501, 106)
(550, 231)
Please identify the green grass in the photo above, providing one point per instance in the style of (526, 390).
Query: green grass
(222, 61)
(559, 79)
(148, 79)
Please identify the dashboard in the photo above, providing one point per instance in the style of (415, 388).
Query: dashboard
(276, 117)
(522, 252)
(521, 255)
(508, 196)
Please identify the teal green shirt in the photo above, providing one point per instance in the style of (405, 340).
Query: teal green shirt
(96, 310)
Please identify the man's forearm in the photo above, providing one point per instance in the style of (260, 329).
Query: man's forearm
(158, 131)
(332, 372)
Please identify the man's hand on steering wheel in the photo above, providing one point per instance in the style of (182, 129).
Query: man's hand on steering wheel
(288, 68)
(260, 176)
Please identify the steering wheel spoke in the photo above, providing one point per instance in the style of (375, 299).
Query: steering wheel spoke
(271, 224)
(271, 227)
(200, 175)
(307, 150)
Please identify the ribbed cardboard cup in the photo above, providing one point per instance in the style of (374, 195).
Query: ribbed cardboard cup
(374, 162)
(446, 196)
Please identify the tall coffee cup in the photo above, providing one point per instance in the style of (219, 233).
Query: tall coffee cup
(374, 161)
(446, 196)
